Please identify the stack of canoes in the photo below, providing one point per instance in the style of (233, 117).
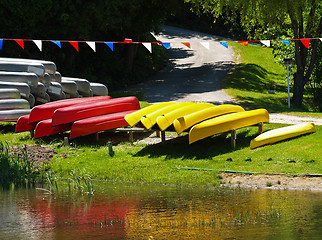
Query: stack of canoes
(80, 116)
(38, 82)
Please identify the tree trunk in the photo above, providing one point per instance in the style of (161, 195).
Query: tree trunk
(298, 89)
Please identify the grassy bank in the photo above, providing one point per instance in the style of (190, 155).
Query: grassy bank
(255, 72)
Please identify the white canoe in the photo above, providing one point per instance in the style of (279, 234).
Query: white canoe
(40, 90)
(55, 88)
(45, 79)
(56, 77)
(12, 93)
(7, 104)
(83, 86)
(43, 99)
(31, 99)
(30, 78)
(36, 68)
(23, 88)
(99, 89)
(69, 87)
(13, 115)
(50, 67)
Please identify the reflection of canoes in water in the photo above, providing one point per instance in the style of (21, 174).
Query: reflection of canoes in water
(36, 68)
(23, 88)
(6, 104)
(50, 67)
(12, 93)
(30, 78)
(12, 115)
(99, 89)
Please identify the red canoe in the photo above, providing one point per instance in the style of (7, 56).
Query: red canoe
(93, 109)
(45, 128)
(23, 124)
(98, 124)
(45, 111)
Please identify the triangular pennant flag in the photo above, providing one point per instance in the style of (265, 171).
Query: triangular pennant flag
(205, 44)
(38, 44)
(166, 45)
(245, 43)
(148, 46)
(74, 44)
(1, 43)
(225, 44)
(187, 44)
(20, 42)
(110, 45)
(92, 45)
(321, 39)
(285, 41)
(306, 42)
(57, 43)
(128, 40)
(267, 43)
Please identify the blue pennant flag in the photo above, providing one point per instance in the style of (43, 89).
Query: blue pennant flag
(1, 43)
(285, 41)
(225, 44)
(110, 45)
(57, 43)
(166, 45)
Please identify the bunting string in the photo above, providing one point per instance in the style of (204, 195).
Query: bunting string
(147, 45)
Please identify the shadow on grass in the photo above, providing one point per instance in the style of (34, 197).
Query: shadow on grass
(204, 149)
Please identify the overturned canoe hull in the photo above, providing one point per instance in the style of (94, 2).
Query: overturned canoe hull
(9, 93)
(44, 128)
(7, 104)
(97, 124)
(12, 115)
(226, 123)
(281, 134)
(134, 118)
(87, 110)
(187, 121)
(23, 124)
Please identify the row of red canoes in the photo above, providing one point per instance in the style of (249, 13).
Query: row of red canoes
(82, 116)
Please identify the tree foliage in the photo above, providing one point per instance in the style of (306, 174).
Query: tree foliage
(304, 18)
(97, 20)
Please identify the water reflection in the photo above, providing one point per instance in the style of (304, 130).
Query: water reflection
(145, 212)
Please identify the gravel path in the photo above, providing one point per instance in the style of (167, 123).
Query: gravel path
(195, 74)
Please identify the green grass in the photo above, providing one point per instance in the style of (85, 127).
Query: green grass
(251, 77)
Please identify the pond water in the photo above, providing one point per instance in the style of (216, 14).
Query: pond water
(161, 212)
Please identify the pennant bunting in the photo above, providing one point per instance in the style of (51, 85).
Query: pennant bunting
(1, 44)
(128, 40)
(20, 42)
(225, 44)
(267, 43)
(57, 43)
(187, 44)
(75, 45)
(205, 44)
(148, 46)
(38, 44)
(306, 42)
(244, 43)
(110, 45)
(92, 45)
(321, 39)
(166, 45)
(285, 41)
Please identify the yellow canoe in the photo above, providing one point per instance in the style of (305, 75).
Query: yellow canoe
(188, 121)
(167, 119)
(281, 134)
(150, 120)
(135, 117)
(226, 123)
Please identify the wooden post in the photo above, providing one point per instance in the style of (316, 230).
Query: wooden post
(233, 138)
(131, 136)
(32, 133)
(157, 133)
(260, 127)
(66, 141)
(97, 137)
(162, 136)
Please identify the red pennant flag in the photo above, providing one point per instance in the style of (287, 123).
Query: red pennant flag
(20, 42)
(128, 40)
(187, 44)
(245, 43)
(306, 42)
(74, 44)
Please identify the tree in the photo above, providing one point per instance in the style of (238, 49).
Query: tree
(305, 19)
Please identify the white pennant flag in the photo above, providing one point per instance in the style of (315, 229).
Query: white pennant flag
(205, 44)
(148, 46)
(321, 39)
(267, 43)
(92, 45)
(38, 44)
